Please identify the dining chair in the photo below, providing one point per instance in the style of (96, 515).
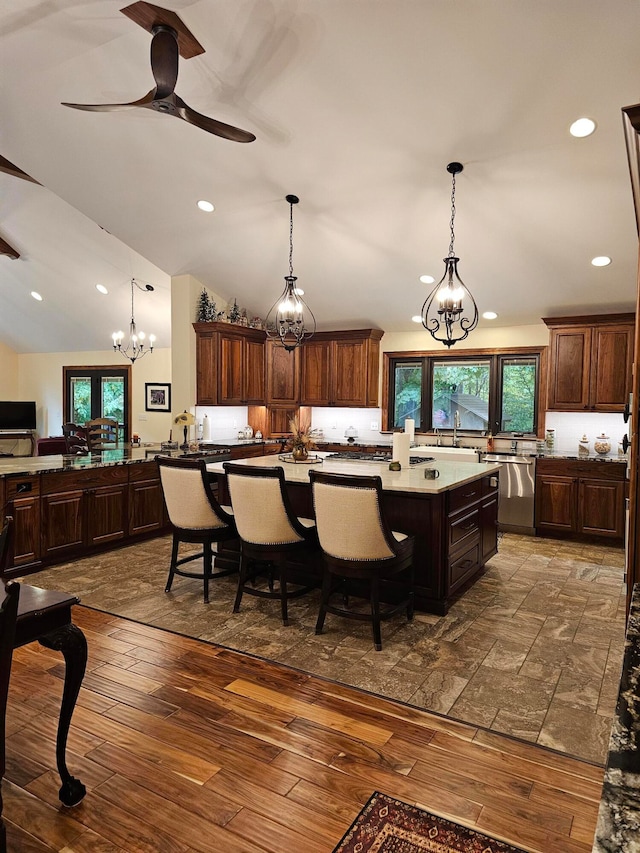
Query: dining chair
(195, 517)
(270, 533)
(75, 438)
(358, 546)
(102, 434)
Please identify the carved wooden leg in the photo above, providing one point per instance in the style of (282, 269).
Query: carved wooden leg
(72, 643)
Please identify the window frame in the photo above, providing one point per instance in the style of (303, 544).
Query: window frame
(96, 372)
(496, 357)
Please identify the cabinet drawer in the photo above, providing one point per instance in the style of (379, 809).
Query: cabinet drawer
(22, 487)
(464, 528)
(592, 470)
(87, 479)
(465, 495)
(143, 471)
(463, 567)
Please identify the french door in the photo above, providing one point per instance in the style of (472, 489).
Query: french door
(98, 392)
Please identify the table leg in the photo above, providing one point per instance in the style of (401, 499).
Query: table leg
(72, 643)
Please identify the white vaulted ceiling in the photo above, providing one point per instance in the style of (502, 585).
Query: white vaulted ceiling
(357, 106)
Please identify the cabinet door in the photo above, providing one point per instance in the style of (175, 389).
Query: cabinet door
(106, 514)
(283, 375)
(254, 373)
(279, 418)
(206, 368)
(62, 523)
(569, 368)
(315, 388)
(146, 507)
(556, 502)
(231, 369)
(26, 536)
(612, 348)
(601, 508)
(349, 373)
(489, 527)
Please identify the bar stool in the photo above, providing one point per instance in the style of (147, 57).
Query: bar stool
(357, 544)
(195, 516)
(270, 532)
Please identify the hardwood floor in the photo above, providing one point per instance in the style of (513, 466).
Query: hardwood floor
(186, 746)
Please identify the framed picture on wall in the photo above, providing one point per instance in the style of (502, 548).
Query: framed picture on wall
(157, 396)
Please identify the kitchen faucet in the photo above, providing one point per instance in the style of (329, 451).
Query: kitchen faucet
(456, 427)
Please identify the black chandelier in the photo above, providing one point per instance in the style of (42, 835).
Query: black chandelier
(286, 323)
(443, 314)
(135, 347)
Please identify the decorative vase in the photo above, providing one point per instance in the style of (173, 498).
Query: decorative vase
(300, 453)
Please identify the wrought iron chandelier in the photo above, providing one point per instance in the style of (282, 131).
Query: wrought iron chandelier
(290, 321)
(443, 313)
(135, 347)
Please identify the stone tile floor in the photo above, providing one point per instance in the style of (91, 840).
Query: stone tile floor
(533, 649)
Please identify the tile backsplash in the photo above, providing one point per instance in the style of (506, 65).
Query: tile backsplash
(571, 426)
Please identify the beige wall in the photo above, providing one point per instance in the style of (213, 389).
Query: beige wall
(8, 373)
(505, 336)
(40, 379)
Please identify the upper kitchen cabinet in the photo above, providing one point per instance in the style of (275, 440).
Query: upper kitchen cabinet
(341, 368)
(230, 365)
(590, 362)
(283, 375)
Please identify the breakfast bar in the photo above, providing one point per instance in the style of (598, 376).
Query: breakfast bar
(453, 516)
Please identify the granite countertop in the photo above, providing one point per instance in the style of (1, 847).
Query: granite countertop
(410, 479)
(591, 457)
(618, 827)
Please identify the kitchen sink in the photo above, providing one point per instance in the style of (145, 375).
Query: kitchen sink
(446, 454)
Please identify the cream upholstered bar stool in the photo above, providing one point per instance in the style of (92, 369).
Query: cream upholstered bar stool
(195, 516)
(270, 533)
(358, 545)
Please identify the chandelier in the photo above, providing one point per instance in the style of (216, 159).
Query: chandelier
(135, 348)
(443, 313)
(286, 323)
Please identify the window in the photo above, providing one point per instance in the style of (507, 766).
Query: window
(491, 391)
(98, 392)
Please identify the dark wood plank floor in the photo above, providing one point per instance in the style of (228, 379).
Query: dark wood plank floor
(187, 747)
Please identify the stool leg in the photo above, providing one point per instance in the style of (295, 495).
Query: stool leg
(283, 592)
(326, 592)
(242, 579)
(174, 560)
(410, 601)
(207, 561)
(375, 613)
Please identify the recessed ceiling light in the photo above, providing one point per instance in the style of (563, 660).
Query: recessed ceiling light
(601, 261)
(417, 318)
(206, 206)
(582, 127)
(101, 288)
(490, 315)
(298, 291)
(36, 296)
(426, 279)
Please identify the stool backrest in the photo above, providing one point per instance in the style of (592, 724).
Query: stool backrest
(190, 502)
(261, 507)
(349, 517)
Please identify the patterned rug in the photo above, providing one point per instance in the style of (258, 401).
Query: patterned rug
(386, 825)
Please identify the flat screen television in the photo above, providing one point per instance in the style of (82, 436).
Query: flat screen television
(20, 415)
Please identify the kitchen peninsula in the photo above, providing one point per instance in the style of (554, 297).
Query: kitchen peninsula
(453, 517)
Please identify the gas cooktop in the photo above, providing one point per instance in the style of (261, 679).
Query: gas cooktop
(353, 456)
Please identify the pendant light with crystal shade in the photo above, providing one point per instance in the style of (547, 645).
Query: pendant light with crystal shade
(443, 312)
(290, 321)
(135, 348)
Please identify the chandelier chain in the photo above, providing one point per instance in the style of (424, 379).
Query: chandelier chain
(290, 238)
(453, 214)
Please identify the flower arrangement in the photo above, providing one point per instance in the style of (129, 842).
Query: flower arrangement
(300, 442)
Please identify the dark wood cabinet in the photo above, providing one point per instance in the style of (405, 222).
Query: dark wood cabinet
(283, 375)
(341, 369)
(489, 518)
(580, 497)
(590, 362)
(471, 530)
(22, 502)
(146, 502)
(230, 365)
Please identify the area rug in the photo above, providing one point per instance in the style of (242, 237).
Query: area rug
(386, 825)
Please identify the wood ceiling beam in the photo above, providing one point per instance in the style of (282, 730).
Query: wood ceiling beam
(6, 249)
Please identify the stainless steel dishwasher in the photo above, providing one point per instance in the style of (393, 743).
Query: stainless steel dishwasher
(516, 492)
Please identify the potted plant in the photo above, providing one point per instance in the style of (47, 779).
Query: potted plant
(300, 442)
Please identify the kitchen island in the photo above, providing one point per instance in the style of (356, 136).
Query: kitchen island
(453, 517)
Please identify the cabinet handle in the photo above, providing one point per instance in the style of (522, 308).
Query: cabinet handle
(468, 527)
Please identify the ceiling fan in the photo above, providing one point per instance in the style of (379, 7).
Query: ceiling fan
(170, 39)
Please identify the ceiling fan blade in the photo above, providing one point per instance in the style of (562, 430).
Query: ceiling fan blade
(226, 131)
(164, 60)
(106, 108)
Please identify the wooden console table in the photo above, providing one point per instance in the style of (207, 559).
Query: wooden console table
(24, 435)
